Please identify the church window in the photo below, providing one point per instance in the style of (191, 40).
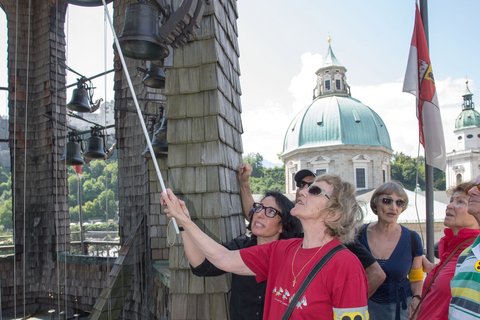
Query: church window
(360, 180)
(338, 85)
(459, 137)
(459, 179)
(327, 85)
(293, 181)
(469, 136)
(384, 176)
(319, 172)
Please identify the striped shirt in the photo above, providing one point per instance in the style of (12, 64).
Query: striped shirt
(465, 285)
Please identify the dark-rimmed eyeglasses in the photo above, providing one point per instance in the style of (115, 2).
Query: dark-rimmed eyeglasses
(302, 184)
(316, 191)
(472, 187)
(388, 201)
(269, 211)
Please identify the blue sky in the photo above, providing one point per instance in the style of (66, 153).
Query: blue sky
(282, 44)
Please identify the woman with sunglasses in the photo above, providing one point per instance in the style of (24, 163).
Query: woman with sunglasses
(329, 214)
(269, 220)
(399, 252)
(460, 232)
(465, 285)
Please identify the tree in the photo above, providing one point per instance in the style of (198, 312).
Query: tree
(255, 160)
(404, 170)
(264, 179)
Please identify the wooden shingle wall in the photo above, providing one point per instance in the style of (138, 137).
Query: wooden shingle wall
(36, 42)
(204, 136)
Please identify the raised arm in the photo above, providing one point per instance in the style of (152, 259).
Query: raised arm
(194, 255)
(221, 257)
(244, 173)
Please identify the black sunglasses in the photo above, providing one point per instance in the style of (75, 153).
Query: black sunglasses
(399, 203)
(471, 187)
(316, 191)
(269, 211)
(302, 184)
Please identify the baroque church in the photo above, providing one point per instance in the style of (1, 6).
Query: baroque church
(463, 163)
(337, 134)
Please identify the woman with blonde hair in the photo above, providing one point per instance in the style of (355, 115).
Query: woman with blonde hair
(329, 214)
(399, 252)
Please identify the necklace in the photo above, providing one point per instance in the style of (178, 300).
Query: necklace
(307, 263)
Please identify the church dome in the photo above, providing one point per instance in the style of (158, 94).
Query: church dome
(469, 117)
(334, 117)
(336, 120)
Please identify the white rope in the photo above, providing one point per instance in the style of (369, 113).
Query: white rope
(14, 166)
(137, 107)
(109, 301)
(27, 97)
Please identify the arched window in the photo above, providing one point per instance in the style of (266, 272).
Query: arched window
(459, 179)
(98, 201)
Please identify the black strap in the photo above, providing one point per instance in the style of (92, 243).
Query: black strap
(309, 279)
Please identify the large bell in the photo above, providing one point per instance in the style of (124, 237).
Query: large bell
(159, 141)
(80, 101)
(73, 154)
(96, 146)
(139, 38)
(155, 76)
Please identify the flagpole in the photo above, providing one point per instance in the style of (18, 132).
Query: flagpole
(428, 169)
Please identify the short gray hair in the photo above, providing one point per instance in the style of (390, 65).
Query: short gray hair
(345, 207)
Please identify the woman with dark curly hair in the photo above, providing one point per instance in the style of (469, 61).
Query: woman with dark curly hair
(270, 220)
(329, 214)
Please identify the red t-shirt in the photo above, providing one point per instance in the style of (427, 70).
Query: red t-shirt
(435, 303)
(340, 288)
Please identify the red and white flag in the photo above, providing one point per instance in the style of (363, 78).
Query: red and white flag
(419, 81)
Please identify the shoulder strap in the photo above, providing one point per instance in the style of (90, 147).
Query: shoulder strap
(428, 286)
(309, 279)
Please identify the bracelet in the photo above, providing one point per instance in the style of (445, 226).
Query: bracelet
(417, 296)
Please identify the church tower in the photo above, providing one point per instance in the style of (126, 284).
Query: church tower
(463, 163)
(337, 134)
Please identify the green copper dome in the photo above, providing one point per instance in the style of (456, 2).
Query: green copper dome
(468, 118)
(336, 120)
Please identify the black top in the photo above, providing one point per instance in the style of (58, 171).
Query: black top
(246, 296)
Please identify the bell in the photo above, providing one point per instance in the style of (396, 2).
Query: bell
(88, 3)
(155, 76)
(159, 141)
(79, 101)
(139, 38)
(96, 147)
(73, 153)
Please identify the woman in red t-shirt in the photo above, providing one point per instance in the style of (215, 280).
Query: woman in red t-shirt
(329, 214)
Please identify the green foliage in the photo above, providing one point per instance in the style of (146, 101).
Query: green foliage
(255, 160)
(99, 191)
(6, 218)
(264, 179)
(404, 169)
(273, 180)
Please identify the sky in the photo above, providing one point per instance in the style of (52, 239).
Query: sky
(282, 44)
